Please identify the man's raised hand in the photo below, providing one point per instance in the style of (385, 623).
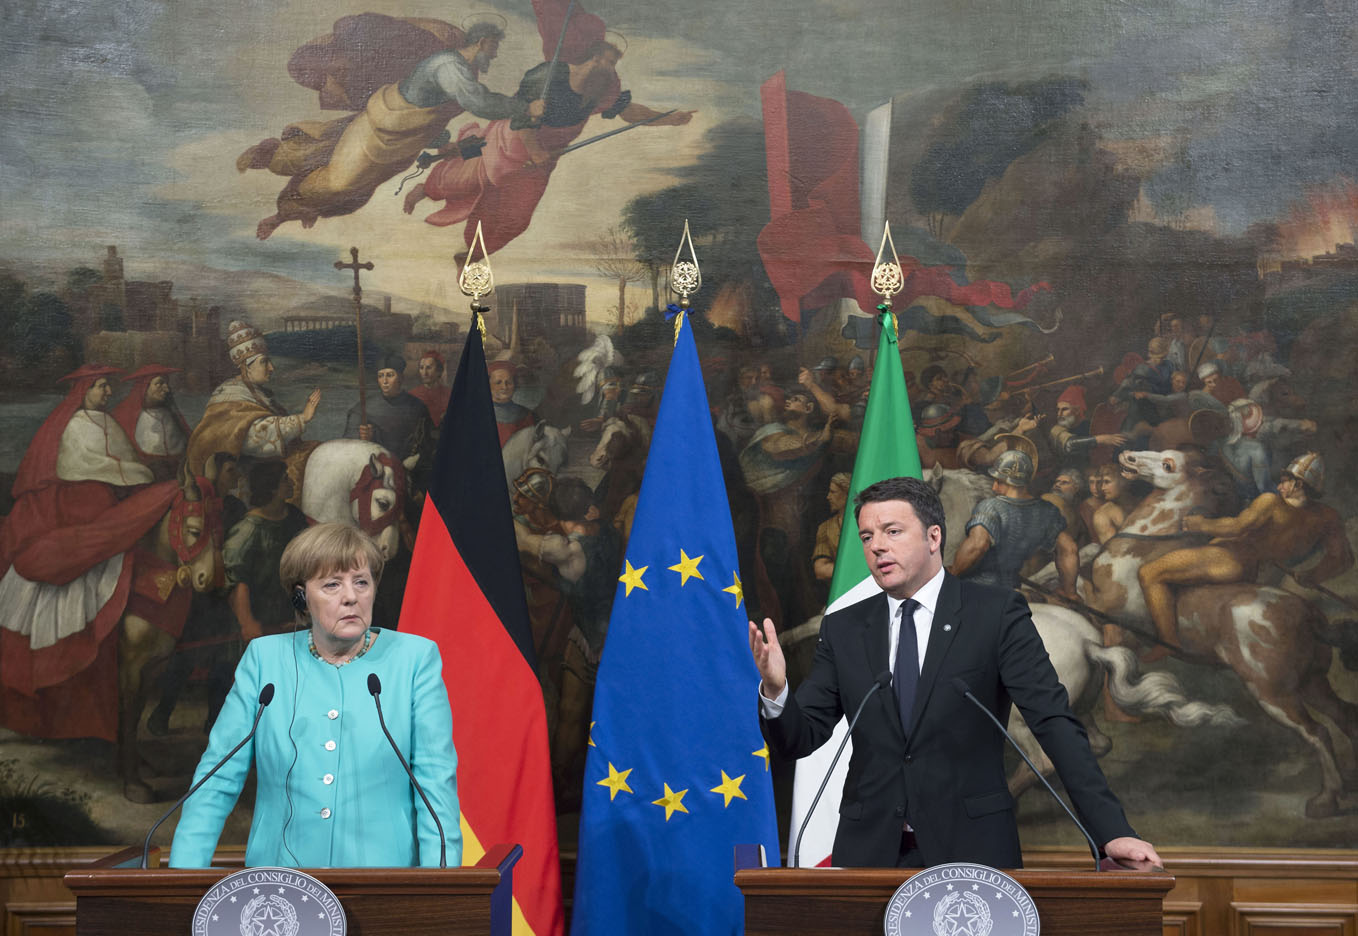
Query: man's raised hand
(768, 659)
(312, 401)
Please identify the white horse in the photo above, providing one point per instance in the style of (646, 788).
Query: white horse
(535, 446)
(359, 483)
(1081, 660)
(1278, 643)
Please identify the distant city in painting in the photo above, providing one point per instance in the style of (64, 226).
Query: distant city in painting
(1128, 240)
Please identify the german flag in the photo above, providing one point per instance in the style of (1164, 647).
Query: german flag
(465, 591)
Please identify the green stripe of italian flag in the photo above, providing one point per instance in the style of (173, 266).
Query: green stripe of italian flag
(886, 449)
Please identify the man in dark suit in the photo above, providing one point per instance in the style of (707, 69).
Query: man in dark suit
(933, 791)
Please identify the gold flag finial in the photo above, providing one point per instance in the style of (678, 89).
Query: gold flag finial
(887, 277)
(685, 279)
(476, 279)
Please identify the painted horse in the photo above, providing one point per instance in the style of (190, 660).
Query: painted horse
(624, 442)
(358, 483)
(1278, 643)
(535, 446)
(181, 554)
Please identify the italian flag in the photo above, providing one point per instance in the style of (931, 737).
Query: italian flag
(886, 449)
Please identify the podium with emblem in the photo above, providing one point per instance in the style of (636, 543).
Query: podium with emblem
(115, 895)
(850, 901)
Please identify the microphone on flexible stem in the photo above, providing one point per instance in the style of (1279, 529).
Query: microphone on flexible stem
(265, 697)
(375, 687)
(961, 686)
(883, 679)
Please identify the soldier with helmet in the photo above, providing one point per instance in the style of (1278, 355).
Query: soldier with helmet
(823, 383)
(1006, 530)
(1285, 529)
(856, 374)
(827, 368)
(937, 436)
(641, 399)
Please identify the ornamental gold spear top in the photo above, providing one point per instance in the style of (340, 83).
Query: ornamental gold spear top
(887, 278)
(685, 278)
(476, 279)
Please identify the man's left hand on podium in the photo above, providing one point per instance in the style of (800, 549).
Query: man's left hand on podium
(1134, 854)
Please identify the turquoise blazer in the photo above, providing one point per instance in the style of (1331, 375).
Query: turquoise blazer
(346, 801)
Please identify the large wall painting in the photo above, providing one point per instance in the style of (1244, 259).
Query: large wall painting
(1132, 291)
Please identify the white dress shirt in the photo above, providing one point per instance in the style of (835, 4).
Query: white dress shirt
(927, 600)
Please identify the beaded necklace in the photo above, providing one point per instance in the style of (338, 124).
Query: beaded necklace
(368, 638)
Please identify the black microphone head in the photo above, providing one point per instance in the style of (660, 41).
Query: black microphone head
(374, 684)
(960, 685)
(883, 678)
(266, 694)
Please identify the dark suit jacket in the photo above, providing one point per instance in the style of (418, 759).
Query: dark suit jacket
(946, 774)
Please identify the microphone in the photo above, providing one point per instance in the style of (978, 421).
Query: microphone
(883, 679)
(375, 688)
(265, 697)
(962, 688)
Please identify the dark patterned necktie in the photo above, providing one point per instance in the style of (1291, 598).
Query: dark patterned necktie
(907, 664)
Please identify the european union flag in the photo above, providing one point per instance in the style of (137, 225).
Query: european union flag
(677, 772)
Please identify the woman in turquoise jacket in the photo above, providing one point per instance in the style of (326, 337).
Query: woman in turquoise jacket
(331, 792)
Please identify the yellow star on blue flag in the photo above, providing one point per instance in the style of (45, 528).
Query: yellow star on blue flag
(675, 701)
(687, 568)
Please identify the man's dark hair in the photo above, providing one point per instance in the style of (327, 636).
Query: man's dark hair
(392, 361)
(264, 479)
(931, 372)
(599, 48)
(922, 498)
(482, 30)
(571, 500)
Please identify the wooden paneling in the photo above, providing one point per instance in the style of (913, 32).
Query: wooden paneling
(1252, 892)
(1218, 892)
(1280, 919)
(35, 901)
(44, 918)
(1183, 918)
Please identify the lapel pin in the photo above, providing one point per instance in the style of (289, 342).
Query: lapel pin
(947, 627)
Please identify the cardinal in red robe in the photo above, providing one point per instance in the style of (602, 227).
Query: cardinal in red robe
(81, 501)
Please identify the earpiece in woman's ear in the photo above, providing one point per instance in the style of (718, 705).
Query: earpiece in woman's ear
(299, 599)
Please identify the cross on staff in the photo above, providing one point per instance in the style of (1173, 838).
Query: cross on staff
(358, 329)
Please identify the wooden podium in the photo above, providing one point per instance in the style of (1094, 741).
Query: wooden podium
(115, 895)
(851, 901)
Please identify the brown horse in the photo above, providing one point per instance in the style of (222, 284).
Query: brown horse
(1277, 642)
(181, 552)
(621, 454)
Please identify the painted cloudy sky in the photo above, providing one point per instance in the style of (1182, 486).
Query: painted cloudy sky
(123, 118)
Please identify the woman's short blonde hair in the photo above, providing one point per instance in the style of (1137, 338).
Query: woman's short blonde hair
(325, 549)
